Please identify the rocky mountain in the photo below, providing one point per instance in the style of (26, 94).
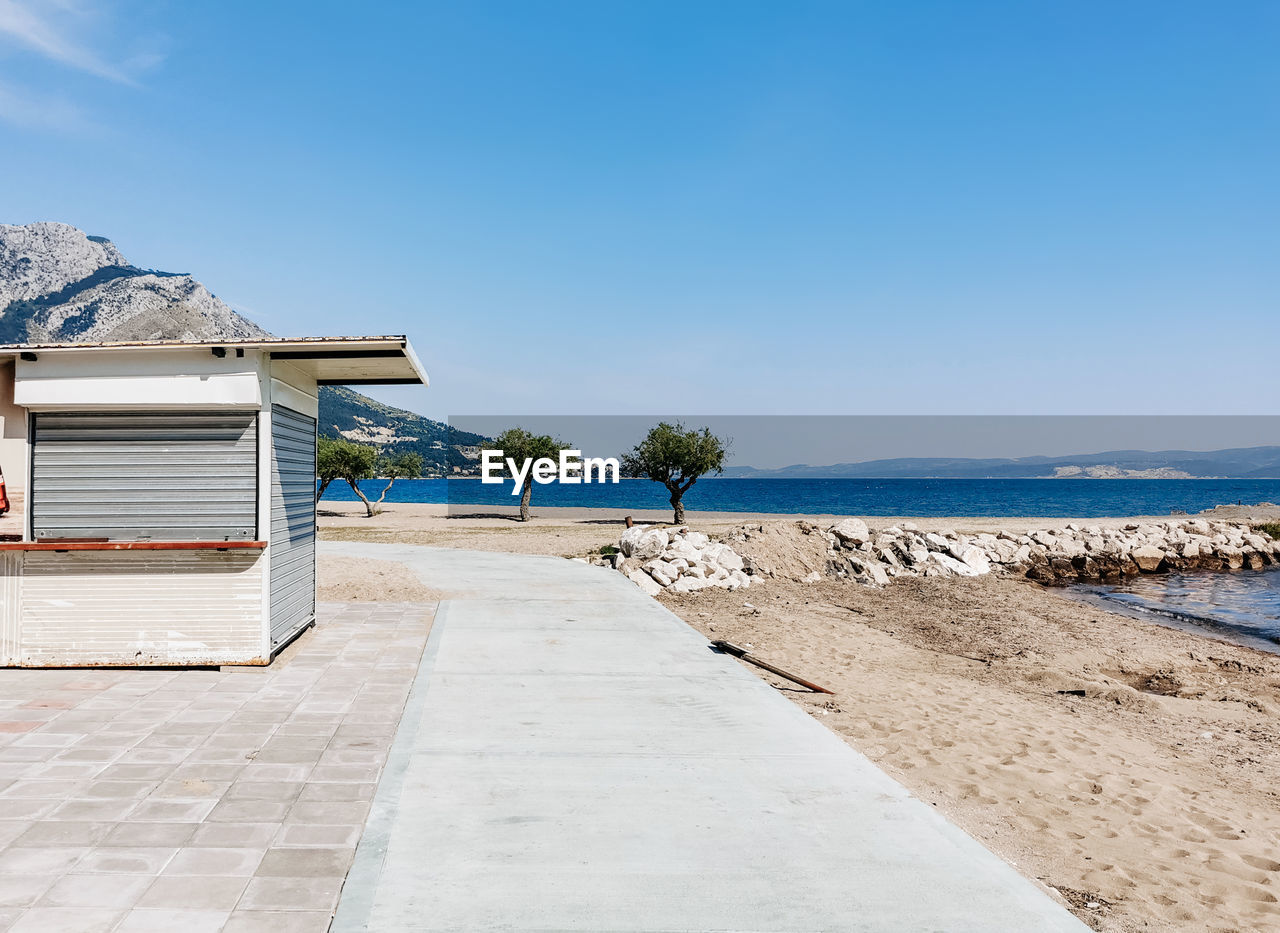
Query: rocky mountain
(59, 285)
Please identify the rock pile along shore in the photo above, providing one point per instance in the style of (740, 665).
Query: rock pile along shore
(683, 561)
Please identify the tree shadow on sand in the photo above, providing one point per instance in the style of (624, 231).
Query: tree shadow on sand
(515, 517)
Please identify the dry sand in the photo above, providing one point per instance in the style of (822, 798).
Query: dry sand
(1153, 796)
(1150, 801)
(363, 580)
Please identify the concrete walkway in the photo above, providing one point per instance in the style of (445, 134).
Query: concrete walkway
(574, 757)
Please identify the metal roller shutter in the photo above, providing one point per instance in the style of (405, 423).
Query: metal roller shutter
(293, 522)
(160, 476)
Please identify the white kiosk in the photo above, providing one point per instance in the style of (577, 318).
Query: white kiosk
(165, 495)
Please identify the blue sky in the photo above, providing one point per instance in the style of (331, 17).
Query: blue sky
(596, 207)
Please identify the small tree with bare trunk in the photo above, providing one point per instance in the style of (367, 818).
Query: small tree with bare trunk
(519, 445)
(676, 457)
(337, 458)
(403, 465)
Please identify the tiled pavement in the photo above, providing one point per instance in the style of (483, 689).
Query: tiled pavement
(197, 801)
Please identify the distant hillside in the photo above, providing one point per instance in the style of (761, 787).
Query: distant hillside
(348, 414)
(59, 285)
(1236, 463)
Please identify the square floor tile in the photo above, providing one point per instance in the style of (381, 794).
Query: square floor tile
(236, 835)
(39, 860)
(155, 920)
(278, 921)
(23, 890)
(63, 833)
(215, 861)
(67, 920)
(131, 860)
(314, 862)
(150, 834)
(189, 892)
(291, 894)
(88, 890)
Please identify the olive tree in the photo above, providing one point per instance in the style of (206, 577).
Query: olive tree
(404, 465)
(337, 458)
(518, 445)
(676, 457)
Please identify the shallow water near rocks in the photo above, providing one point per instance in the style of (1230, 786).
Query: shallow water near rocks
(1243, 606)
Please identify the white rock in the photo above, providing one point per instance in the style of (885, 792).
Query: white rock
(851, 530)
(1233, 555)
(870, 567)
(643, 542)
(689, 585)
(681, 547)
(662, 571)
(1005, 550)
(972, 556)
(814, 577)
(711, 553)
(645, 582)
(728, 559)
(958, 567)
(1147, 558)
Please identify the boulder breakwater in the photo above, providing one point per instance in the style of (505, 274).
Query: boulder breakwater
(682, 560)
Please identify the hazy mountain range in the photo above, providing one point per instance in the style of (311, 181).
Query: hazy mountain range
(1237, 463)
(59, 285)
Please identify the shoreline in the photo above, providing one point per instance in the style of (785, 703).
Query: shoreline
(1202, 626)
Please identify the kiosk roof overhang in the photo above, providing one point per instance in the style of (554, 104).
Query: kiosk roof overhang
(330, 360)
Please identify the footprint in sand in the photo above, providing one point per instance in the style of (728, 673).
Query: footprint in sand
(1262, 897)
(1235, 871)
(1263, 864)
(1214, 825)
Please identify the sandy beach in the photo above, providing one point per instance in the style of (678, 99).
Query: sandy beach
(1130, 766)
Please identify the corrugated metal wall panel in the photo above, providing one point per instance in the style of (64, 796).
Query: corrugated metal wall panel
(293, 522)
(141, 607)
(10, 605)
(181, 476)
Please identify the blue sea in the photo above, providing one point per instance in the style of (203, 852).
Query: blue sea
(1082, 498)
